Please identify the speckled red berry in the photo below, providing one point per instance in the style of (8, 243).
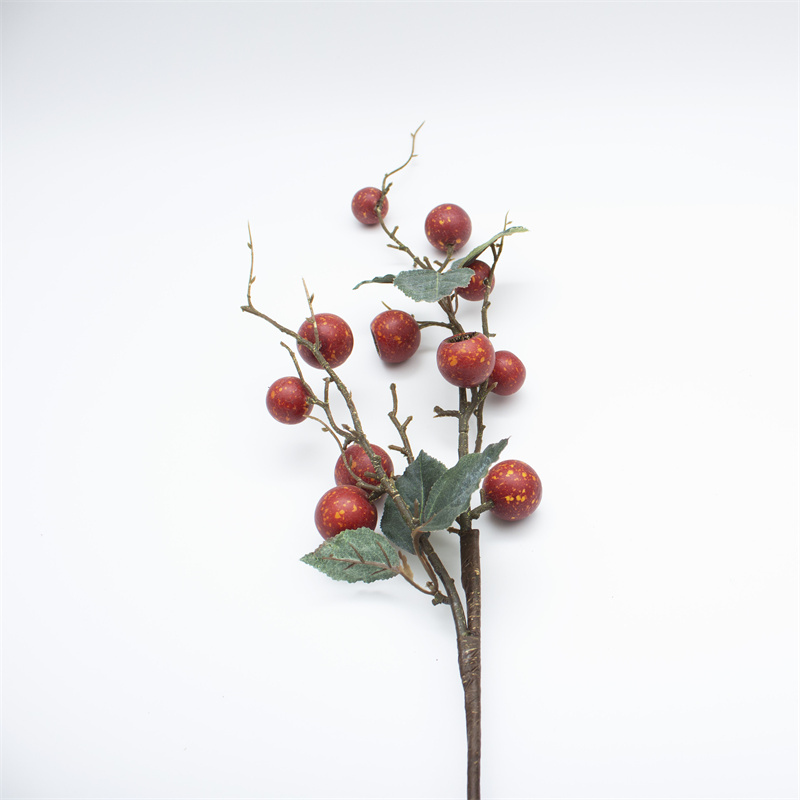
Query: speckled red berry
(476, 288)
(514, 488)
(508, 373)
(448, 226)
(365, 204)
(335, 340)
(465, 360)
(344, 508)
(396, 336)
(288, 401)
(359, 462)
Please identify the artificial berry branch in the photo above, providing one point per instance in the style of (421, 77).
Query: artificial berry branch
(427, 497)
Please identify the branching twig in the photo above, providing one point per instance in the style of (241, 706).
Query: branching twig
(357, 431)
(392, 234)
(401, 429)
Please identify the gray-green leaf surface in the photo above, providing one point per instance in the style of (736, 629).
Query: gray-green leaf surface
(430, 286)
(413, 485)
(356, 555)
(379, 279)
(451, 493)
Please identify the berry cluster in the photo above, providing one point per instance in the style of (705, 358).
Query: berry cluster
(467, 360)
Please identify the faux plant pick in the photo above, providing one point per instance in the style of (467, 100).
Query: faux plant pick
(426, 499)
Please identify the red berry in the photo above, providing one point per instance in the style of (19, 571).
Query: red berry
(344, 508)
(448, 226)
(365, 205)
(476, 288)
(466, 359)
(288, 401)
(359, 462)
(396, 336)
(335, 340)
(508, 373)
(514, 488)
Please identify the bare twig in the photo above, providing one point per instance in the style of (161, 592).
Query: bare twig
(401, 428)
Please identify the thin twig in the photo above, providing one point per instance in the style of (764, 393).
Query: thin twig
(401, 428)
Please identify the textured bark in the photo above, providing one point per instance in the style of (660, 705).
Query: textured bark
(469, 657)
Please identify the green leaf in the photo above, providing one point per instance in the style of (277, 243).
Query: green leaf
(451, 493)
(429, 286)
(394, 528)
(419, 477)
(475, 252)
(381, 279)
(414, 486)
(357, 555)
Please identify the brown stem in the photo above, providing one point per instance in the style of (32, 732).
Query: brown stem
(469, 656)
(401, 428)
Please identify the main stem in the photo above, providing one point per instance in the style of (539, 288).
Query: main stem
(469, 639)
(469, 657)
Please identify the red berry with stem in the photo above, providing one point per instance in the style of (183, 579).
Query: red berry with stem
(508, 373)
(344, 508)
(288, 401)
(335, 340)
(448, 226)
(396, 336)
(466, 360)
(365, 205)
(514, 488)
(360, 464)
(476, 288)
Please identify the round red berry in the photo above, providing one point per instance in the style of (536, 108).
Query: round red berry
(465, 360)
(508, 373)
(448, 226)
(396, 336)
(365, 205)
(514, 488)
(288, 401)
(335, 340)
(344, 508)
(476, 288)
(360, 464)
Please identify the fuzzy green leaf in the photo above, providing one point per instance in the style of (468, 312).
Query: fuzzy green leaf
(451, 493)
(357, 555)
(414, 486)
(476, 251)
(429, 286)
(380, 279)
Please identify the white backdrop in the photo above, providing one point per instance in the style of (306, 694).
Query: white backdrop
(160, 636)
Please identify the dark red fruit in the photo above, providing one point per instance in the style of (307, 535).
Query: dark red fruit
(396, 336)
(476, 288)
(448, 226)
(344, 508)
(335, 340)
(359, 462)
(508, 373)
(365, 205)
(465, 360)
(288, 401)
(514, 488)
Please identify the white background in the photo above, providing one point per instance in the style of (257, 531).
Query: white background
(160, 636)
